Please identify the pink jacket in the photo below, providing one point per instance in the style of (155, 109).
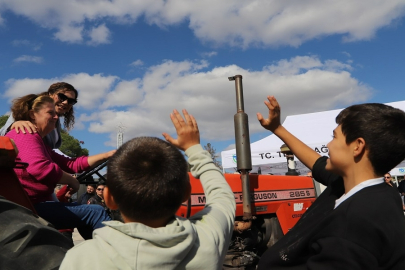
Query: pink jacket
(45, 166)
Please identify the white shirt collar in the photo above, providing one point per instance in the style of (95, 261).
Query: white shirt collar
(357, 188)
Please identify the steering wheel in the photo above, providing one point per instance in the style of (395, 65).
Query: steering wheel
(82, 178)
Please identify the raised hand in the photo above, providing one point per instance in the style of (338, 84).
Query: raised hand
(273, 120)
(187, 130)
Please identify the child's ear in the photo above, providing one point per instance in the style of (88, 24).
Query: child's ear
(109, 199)
(359, 147)
(187, 194)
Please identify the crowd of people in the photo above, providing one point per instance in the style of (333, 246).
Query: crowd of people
(356, 223)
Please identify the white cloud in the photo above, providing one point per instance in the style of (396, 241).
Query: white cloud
(92, 88)
(23, 42)
(137, 63)
(17, 88)
(126, 93)
(69, 33)
(346, 54)
(302, 84)
(99, 35)
(233, 22)
(230, 147)
(28, 58)
(209, 54)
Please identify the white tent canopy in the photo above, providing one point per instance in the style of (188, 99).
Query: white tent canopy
(314, 129)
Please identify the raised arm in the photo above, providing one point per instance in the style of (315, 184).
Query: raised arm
(79, 164)
(215, 221)
(100, 158)
(187, 131)
(303, 152)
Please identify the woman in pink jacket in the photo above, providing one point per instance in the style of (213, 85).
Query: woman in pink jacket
(47, 168)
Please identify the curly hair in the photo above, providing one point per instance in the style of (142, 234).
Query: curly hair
(62, 87)
(22, 106)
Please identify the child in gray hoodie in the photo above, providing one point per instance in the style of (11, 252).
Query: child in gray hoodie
(147, 180)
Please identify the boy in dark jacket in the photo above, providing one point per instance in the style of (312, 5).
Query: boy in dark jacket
(357, 222)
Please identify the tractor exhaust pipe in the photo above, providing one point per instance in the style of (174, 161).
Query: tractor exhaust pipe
(243, 154)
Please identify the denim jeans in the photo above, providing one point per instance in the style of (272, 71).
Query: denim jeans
(85, 217)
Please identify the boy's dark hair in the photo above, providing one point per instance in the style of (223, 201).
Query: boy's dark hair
(382, 127)
(148, 178)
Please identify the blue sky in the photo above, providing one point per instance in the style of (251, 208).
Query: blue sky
(135, 61)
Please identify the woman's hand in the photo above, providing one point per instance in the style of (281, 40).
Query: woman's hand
(100, 158)
(68, 179)
(22, 126)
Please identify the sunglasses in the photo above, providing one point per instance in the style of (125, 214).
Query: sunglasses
(100, 189)
(63, 97)
(387, 177)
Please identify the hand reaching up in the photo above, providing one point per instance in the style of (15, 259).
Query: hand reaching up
(187, 130)
(273, 120)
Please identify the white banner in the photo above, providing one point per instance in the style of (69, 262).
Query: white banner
(273, 159)
(314, 129)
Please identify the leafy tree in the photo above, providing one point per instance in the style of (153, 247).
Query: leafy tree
(213, 154)
(71, 146)
(3, 120)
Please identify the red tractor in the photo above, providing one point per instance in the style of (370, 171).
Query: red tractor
(277, 204)
(267, 206)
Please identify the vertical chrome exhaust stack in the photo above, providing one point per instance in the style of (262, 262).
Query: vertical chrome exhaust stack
(242, 141)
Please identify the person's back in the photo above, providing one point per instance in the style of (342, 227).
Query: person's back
(151, 237)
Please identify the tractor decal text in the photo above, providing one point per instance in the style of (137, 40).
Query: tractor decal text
(262, 196)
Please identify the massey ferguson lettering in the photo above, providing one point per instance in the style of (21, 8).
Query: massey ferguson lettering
(262, 196)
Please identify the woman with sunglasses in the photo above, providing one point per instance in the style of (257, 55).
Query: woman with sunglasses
(388, 180)
(99, 198)
(47, 168)
(64, 96)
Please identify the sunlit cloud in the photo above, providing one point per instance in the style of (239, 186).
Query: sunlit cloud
(238, 23)
(28, 58)
(99, 35)
(26, 43)
(137, 63)
(302, 84)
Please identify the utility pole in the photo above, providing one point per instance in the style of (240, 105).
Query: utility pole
(120, 135)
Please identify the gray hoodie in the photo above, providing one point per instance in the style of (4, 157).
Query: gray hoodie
(199, 242)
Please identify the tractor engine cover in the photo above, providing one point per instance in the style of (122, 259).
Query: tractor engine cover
(286, 196)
